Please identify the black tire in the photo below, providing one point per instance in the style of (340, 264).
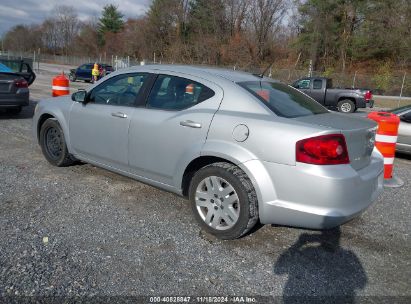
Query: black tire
(15, 110)
(346, 106)
(55, 152)
(247, 199)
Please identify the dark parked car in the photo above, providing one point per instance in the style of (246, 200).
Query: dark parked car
(345, 100)
(14, 86)
(83, 72)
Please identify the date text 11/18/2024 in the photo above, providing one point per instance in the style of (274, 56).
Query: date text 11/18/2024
(203, 299)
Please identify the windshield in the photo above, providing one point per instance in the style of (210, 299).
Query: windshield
(400, 110)
(283, 100)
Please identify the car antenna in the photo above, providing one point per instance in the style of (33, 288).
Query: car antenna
(265, 71)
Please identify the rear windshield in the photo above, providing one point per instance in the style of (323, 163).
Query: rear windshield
(283, 100)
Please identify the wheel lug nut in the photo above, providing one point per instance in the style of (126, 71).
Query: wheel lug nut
(212, 201)
(215, 208)
(215, 195)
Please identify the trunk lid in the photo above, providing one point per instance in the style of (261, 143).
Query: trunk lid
(7, 83)
(359, 134)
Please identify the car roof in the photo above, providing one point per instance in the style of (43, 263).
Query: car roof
(200, 71)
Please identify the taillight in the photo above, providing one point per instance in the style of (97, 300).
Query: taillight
(323, 150)
(21, 83)
(368, 96)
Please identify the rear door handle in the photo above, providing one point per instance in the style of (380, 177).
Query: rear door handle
(191, 124)
(119, 114)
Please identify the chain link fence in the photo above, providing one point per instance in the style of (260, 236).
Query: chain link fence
(391, 83)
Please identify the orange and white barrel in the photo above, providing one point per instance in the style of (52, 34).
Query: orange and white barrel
(190, 89)
(386, 138)
(60, 85)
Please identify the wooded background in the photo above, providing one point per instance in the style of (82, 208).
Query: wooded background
(336, 36)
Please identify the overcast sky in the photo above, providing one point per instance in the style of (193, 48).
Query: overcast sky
(13, 12)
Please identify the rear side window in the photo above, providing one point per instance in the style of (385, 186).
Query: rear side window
(329, 83)
(318, 84)
(176, 93)
(283, 100)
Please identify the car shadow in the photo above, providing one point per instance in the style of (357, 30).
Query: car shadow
(319, 270)
(26, 112)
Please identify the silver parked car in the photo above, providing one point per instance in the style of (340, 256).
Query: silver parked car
(240, 147)
(404, 131)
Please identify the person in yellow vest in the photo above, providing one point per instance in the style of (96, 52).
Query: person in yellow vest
(95, 72)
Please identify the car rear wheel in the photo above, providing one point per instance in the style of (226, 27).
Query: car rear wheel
(346, 106)
(53, 144)
(223, 200)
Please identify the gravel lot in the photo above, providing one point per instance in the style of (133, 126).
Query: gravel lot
(81, 230)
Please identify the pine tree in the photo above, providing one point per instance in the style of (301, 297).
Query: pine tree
(111, 20)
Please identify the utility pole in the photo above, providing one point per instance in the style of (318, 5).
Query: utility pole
(310, 69)
(402, 87)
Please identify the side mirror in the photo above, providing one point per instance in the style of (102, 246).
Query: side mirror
(80, 96)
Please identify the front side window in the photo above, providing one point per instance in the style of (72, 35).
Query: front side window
(303, 84)
(176, 93)
(282, 99)
(121, 90)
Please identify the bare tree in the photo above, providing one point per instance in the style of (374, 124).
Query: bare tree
(22, 38)
(67, 25)
(265, 17)
(50, 35)
(236, 14)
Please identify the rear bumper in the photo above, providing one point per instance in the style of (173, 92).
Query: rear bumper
(21, 98)
(316, 197)
(362, 103)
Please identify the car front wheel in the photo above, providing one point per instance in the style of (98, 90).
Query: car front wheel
(223, 200)
(53, 144)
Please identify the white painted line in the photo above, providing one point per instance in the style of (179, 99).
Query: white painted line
(388, 160)
(386, 138)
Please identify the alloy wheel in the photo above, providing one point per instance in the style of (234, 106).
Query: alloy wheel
(346, 107)
(217, 203)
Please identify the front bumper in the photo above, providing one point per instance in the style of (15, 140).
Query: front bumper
(316, 197)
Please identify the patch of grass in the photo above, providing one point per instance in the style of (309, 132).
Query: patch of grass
(391, 103)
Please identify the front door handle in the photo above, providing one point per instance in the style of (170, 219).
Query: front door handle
(119, 114)
(191, 124)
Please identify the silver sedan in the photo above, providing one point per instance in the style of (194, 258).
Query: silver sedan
(242, 148)
(404, 131)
